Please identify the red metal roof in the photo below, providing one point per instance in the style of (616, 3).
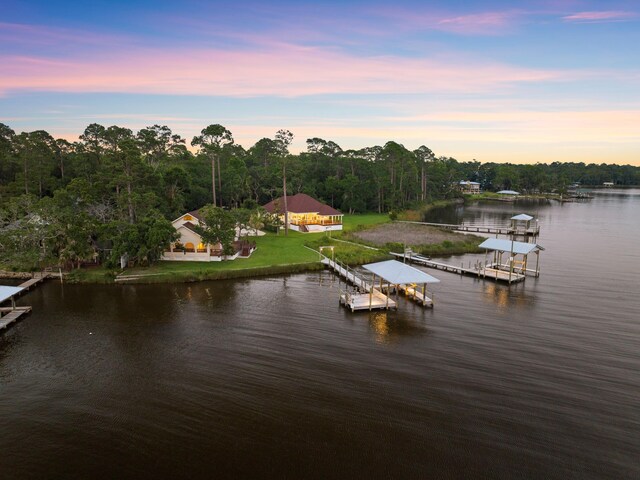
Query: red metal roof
(301, 203)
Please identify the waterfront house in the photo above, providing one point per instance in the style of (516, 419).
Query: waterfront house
(190, 247)
(469, 187)
(306, 214)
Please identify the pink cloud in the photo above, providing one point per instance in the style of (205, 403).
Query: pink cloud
(40, 35)
(487, 23)
(602, 16)
(282, 70)
(480, 23)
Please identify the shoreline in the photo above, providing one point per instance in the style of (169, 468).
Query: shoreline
(187, 277)
(107, 277)
(276, 255)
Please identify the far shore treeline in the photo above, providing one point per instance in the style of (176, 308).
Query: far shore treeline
(60, 201)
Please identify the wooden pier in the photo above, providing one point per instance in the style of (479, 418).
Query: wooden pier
(10, 315)
(393, 276)
(32, 282)
(480, 270)
(366, 297)
(366, 301)
(490, 229)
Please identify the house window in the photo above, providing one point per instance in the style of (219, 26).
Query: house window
(188, 218)
(188, 247)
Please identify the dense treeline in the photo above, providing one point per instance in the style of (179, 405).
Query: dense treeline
(121, 186)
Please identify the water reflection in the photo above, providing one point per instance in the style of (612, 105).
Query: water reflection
(9, 340)
(488, 212)
(389, 328)
(189, 381)
(206, 294)
(379, 323)
(617, 193)
(504, 296)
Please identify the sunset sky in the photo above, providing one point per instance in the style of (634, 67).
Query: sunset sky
(500, 81)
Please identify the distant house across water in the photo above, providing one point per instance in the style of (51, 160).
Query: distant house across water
(608, 184)
(469, 187)
(306, 214)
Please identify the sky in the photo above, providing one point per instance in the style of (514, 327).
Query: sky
(495, 81)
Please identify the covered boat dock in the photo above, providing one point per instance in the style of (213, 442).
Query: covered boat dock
(523, 224)
(402, 278)
(515, 269)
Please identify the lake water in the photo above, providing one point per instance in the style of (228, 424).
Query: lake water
(270, 378)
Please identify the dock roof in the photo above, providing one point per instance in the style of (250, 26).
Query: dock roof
(503, 245)
(7, 292)
(508, 192)
(398, 273)
(522, 216)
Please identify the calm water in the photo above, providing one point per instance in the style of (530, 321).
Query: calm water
(270, 378)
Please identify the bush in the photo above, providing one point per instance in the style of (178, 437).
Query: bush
(394, 247)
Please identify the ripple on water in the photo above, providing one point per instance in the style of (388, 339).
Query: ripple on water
(270, 378)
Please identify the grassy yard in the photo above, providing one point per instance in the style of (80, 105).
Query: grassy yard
(346, 252)
(275, 254)
(364, 220)
(350, 253)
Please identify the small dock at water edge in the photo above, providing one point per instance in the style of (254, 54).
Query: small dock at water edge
(365, 297)
(10, 315)
(392, 276)
(478, 269)
(518, 227)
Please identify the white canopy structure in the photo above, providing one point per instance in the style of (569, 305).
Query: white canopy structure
(508, 192)
(517, 269)
(404, 278)
(8, 292)
(503, 245)
(398, 273)
(523, 225)
(522, 217)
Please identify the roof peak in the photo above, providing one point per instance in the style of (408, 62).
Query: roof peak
(301, 203)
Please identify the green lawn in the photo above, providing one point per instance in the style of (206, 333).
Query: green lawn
(364, 220)
(275, 254)
(348, 253)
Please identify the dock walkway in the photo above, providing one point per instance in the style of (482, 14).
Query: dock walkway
(366, 298)
(491, 229)
(32, 282)
(11, 315)
(480, 270)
